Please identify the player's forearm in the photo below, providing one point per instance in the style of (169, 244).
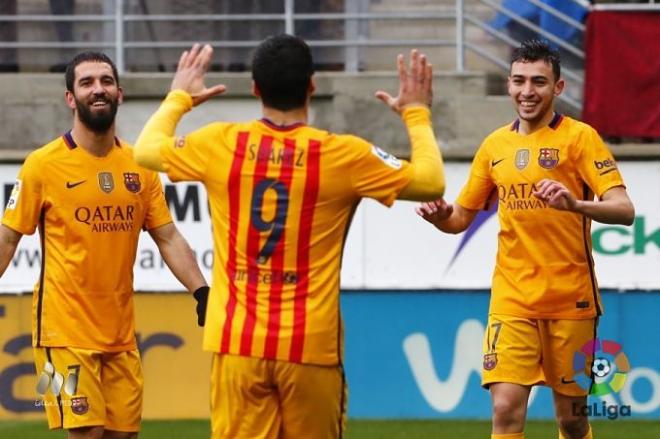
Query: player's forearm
(454, 224)
(9, 240)
(180, 259)
(614, 211)
(428, 182)
(178, 256)
(159, 130)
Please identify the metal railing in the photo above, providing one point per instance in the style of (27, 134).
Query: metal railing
(351, 40)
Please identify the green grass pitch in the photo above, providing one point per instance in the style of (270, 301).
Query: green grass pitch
(361, 429)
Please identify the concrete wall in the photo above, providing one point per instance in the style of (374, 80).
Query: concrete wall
(33, 110)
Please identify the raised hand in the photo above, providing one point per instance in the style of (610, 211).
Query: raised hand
(435, 211)
(190, 72)
(415, 84)
(556, 195)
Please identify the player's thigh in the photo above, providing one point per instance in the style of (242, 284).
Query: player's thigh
(563, 340)
(244, 401)
(70, 381)
(123, 389)
(512, 351)
(313, 400)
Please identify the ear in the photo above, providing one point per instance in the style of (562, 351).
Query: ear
(255, 90)
(559, 86)
(312, 87)
(70, 99)
(120, 95)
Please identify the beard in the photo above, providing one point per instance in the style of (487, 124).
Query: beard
(99, 121)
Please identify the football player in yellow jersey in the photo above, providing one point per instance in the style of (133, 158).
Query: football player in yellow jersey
(543, 170)
(282, 195)
(90, 200)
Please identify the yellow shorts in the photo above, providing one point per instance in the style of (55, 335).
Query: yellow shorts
(534, 351)
(257, 398)
(83, 388)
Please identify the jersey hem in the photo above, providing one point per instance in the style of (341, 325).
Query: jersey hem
(105, 349)
(544, 316)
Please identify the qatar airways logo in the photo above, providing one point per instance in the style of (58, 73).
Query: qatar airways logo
(108, 218)
(513, 197)
(519, 196)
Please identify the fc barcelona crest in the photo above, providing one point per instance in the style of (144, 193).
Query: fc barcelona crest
(106, 183)
(490, 361)
(132, 181)
(548, 158)
(79, 405)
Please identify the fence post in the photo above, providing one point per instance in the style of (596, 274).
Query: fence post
(119, 36)
(460, 36)
(289, 23)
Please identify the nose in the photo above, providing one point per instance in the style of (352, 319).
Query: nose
(98, 88)
(527, 88)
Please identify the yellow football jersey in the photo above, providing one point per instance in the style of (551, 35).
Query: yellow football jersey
(544, 264)
(281, 202)
(89, 211)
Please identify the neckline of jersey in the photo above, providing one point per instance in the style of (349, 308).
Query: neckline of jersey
(71, 144)
(269, 123)
(557, 119)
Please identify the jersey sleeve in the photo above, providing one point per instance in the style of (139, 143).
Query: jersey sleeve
(596, 163)
(157, 212)
(187, 158)
(477, 191)
(376, 173)
(26, 201)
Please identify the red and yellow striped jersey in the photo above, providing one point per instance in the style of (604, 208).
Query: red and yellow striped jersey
(89, 211)
(544, 265)
(281, 203)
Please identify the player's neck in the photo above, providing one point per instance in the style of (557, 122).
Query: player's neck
(529, 126)
(285, 118)
(97, 144)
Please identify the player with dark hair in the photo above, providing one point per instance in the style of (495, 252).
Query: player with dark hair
(282, 196)
(543, 170)
(90, 200)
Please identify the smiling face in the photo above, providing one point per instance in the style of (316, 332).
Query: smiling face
(533, 87)
(96, 95)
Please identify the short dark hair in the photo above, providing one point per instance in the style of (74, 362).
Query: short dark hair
(70, 73)
(534, 50)
(282, 69)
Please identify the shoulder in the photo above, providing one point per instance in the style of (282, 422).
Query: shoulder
(499, 133)
(578, 127)
(580, 132)
(348, 142)
(53, 150)
(495, 138)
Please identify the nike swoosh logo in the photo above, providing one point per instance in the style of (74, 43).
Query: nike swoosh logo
(495, 162)
(565, 381)
(70, 185)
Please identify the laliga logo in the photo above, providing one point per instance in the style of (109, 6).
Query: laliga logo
(601, 368)
(603, 361)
